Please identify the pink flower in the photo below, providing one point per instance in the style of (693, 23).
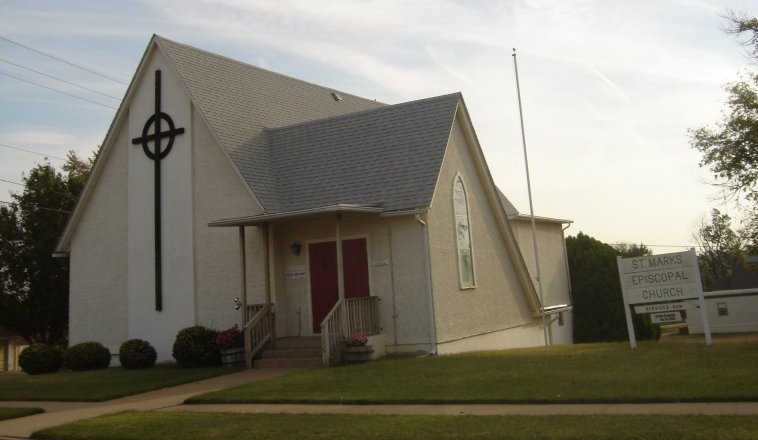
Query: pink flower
(230, 338)
(356, 340)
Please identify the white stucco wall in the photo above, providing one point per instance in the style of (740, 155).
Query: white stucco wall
(98, 255)
(497, 303)
(218, 192)
(160, 327)
(553, 267)
(401, 285)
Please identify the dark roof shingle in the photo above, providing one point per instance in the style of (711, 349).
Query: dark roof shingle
(318, 151)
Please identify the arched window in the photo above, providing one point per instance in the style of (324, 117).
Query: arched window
(463, 235)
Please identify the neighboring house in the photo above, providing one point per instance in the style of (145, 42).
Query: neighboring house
(10, 347)
(734, 310)
(322, 213)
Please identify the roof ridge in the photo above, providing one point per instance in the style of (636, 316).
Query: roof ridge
(387, 107)
(160, 38)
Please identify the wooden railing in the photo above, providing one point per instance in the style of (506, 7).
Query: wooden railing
(348, 317)
(258, 330)
(363, 315)
(252, 309)
(332, 335)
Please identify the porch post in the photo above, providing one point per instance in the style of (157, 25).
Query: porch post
(243, 298)
(341, 275)
(243, 275)
(340, 270)
(267, 270)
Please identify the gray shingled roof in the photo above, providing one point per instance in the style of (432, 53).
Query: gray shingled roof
(239, 100)
(317, 151)
(388, 157)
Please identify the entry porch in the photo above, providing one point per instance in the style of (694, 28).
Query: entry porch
(315, 279)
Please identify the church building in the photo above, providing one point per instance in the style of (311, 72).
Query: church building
(228, 194)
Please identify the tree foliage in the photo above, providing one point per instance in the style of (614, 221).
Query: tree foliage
(34, 284)
(627, 250)
(596, 292)
(720, 250)
(730, 147)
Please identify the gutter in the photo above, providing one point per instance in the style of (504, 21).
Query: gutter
(430, 293)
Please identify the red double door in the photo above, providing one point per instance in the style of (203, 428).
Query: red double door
(322, 258)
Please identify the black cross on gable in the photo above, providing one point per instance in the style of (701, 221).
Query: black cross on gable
(156, 156)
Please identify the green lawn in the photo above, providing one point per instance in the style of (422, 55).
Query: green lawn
(210, 426)
(100, 385)
(12, 413)
(585, 373)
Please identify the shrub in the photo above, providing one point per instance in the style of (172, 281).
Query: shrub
(135, 354)
(40, 359)
(87, 356)
(196, 346)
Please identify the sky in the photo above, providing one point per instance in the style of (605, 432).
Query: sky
(609, 87)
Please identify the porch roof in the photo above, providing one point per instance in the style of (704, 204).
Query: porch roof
(280, 216)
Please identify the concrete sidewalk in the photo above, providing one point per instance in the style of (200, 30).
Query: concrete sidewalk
(719, 408)
(58, 413)
(171, 399)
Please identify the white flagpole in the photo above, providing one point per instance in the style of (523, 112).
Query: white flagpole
(531, 207)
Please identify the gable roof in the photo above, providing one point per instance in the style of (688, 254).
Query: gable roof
(239, 100)
(388, 157)
(513, 214)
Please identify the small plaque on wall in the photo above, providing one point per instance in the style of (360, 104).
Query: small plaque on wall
(295, 273)
(380, 261)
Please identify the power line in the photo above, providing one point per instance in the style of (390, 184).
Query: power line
(34, 207)
(21, 184)
(33, 152)
(10, 181)
(63, 61)
(60, 79)
(661, 245)
(59, 91)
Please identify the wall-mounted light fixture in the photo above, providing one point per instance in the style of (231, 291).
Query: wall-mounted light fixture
(295, 248)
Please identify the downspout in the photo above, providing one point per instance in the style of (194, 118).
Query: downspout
(430, 293)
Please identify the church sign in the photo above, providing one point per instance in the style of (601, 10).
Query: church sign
(661, 278)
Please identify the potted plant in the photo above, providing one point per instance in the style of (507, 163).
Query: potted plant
(356, 350)
(231, 343)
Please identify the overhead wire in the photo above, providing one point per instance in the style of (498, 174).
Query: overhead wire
(59, 79)
(59, 91)
(63, 61)
(33, 152)
(3, 202)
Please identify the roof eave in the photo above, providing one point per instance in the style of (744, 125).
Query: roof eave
(526, 217)
(263, 218)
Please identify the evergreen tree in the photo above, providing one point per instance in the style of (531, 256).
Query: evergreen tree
(596, 292)
(34, 284)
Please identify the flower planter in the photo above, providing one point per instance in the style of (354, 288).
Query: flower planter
(232, 357)
(357, 355)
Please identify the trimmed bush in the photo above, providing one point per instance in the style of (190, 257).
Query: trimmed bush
(40, 359)
(196, 347)
(136, 354)
(87, 356)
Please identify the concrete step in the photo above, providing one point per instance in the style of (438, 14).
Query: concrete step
(291, 353)
(288, 362)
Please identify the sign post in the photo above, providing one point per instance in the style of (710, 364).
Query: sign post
(661, 278)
